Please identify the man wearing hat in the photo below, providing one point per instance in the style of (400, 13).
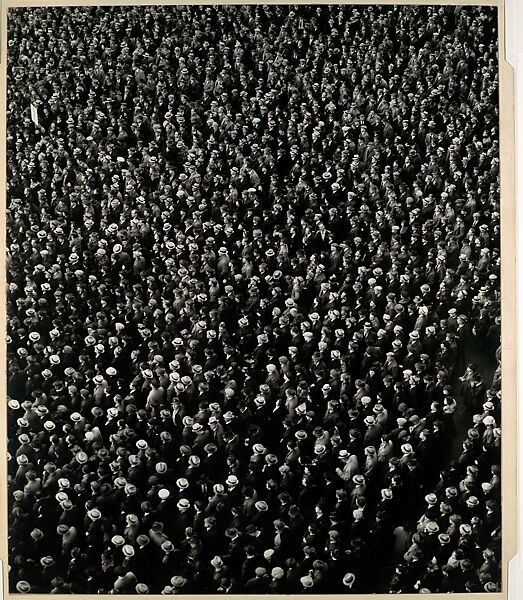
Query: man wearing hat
(260, 583)
(372, 433)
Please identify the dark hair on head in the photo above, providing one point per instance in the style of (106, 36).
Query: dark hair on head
(329, 476)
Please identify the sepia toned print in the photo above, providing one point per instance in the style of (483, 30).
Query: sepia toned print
(254, 300)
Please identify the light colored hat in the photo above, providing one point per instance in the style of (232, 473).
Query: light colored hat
(216, 561)
(49, 425)
(81, 457)
(432, 527)
(61, 496)
(258, 449)
(23, 587)
(94, 514)
(118, 540)
(307, 581)
(178, 581)
(259, 401)
(36, 534)
(277, 573)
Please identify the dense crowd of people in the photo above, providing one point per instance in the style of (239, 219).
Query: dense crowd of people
(253, 299)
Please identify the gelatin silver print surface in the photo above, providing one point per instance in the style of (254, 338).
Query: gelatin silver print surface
(253, 300)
